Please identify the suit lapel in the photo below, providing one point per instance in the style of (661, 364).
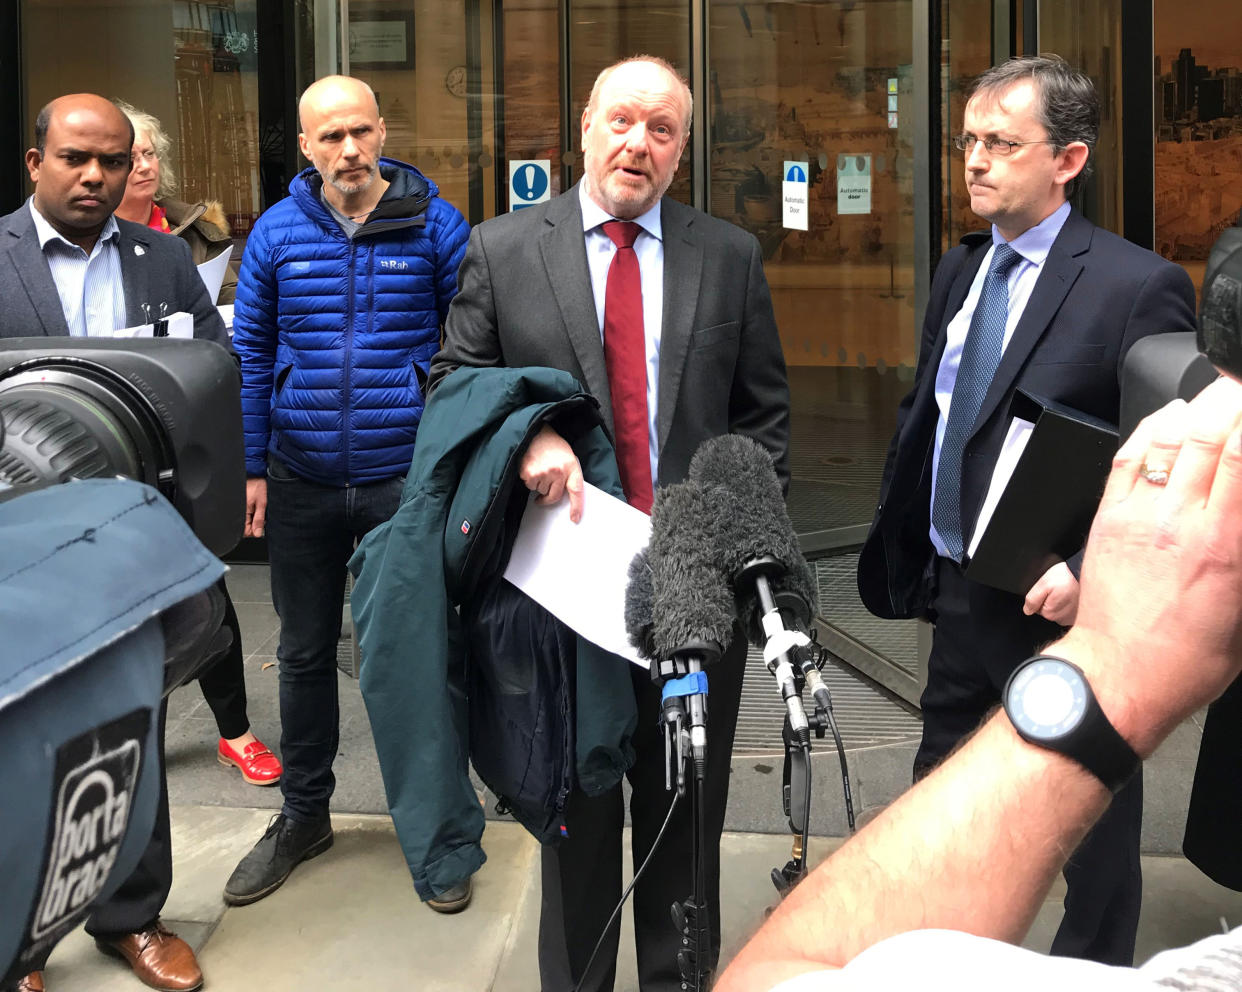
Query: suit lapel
(33, 275)
(683, 271)
(563, 247)
(924, 405)
(136, 250)
(1061, 268)
(961, 285)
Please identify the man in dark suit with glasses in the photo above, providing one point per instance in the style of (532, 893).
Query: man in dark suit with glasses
(1048, 303)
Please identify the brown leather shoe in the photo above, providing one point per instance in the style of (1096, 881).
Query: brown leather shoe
(31, 983)
(158, 956)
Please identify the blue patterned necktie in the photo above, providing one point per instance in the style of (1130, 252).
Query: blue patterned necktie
(981, 354)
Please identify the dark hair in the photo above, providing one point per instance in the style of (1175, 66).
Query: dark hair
(41, 125)
(1068, 108)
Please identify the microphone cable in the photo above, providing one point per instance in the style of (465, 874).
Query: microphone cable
(816, 656)
(616, 913)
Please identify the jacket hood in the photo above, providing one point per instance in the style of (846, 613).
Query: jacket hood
(211, 212)
(404, 203)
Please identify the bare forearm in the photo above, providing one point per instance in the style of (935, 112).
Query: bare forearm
(1004, 808)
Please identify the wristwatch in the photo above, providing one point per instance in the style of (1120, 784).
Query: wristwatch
(1050, 704)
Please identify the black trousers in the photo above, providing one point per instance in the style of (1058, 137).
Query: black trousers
(582, 877)
(981, 635)
(140, 898)
(224, 683)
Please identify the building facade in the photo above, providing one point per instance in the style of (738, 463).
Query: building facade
(821, 126)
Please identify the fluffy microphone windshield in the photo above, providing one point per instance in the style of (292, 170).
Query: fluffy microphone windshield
(638, 606)
(690, 595)
(742, 496)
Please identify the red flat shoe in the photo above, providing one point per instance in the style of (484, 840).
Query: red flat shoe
(257, 764)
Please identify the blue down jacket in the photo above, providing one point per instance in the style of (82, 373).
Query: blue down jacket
(335, 335)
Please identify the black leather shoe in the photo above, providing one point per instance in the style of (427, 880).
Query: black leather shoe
(285, 844)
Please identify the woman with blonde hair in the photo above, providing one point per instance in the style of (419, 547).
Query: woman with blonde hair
(149, 199)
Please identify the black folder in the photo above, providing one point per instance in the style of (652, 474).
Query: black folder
(1047, 506)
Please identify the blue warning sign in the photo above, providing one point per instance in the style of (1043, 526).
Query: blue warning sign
(796, 173)
(529, 182)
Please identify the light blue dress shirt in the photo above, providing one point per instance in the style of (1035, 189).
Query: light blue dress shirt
(1033, 245)
(91, 287)
(650, 251)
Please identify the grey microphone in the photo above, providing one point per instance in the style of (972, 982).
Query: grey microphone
(757, 548)
(679, 607)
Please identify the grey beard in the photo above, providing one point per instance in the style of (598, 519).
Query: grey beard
(350, 188)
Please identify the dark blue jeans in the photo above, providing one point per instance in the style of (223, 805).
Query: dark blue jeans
(311, 532)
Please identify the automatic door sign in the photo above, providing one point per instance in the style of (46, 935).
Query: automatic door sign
(794, 196)
(530, 182)
(853, 184)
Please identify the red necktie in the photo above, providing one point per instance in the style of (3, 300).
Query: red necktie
(625, 353)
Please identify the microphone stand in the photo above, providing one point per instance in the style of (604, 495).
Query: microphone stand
(684, 686)
(795, 659)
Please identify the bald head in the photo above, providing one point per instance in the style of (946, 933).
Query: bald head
(79, 164)
(75, 103)
(343, 136)
(334, 92)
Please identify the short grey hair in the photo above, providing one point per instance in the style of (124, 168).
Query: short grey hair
(664, 64)
(149, 124)
(1068, 107)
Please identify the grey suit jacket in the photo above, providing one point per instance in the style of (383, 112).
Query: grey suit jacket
(156, 270)
(524, 299)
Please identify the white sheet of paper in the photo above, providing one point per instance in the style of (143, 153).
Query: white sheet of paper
(226, 315)
(1006, 462)
(578, 572)
(212, 272)
(180, 325)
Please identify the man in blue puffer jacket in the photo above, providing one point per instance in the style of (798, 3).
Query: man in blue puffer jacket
(343, 288)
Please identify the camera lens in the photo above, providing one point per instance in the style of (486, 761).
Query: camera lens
(69, 420)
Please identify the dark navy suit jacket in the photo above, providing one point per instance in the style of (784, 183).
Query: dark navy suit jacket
(1096, 295)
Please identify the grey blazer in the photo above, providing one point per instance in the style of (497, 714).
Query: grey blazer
(156, 270)
(524, 299)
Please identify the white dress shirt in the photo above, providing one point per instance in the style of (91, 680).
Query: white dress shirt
(91, 287)
(1033, 245)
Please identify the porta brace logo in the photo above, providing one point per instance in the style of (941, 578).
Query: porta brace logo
(92, 812)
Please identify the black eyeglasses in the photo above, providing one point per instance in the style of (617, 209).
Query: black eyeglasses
(993, 146)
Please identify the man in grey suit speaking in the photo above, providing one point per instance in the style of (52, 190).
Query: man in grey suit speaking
(663, 313)
(68, 267)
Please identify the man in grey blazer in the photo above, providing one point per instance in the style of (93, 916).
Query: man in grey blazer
(535, 289)
(123, 274)
(67, 266)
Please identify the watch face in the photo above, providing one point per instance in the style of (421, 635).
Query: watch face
(1047, 699)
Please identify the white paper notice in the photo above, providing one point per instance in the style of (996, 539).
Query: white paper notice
(794, 195)
(212, 272)
(578, 572)
(1006, 462)
(853, 184)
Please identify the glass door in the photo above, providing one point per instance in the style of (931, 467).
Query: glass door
(816, 101)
